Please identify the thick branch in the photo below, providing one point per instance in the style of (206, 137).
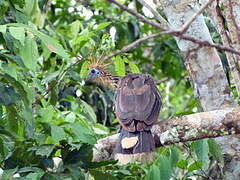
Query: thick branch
(192, 127)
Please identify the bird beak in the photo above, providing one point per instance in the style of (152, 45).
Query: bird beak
(89, 78)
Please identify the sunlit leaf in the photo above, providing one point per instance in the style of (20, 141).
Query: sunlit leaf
(133, 67)
(84, 69)
(182, 164)
(18, 33)
(29, 53)
(102, 25)
(3, 28)
(195, 166)
(75, 27)
(57, 133)
(119, 66)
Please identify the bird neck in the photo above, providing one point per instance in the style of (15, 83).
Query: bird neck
(109, 80)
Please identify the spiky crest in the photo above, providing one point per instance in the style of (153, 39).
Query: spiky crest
(98, 63)
(106, 78)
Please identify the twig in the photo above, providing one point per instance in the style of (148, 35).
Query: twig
(185, 27)
(139, 16)
(155, 13)
(131, 46)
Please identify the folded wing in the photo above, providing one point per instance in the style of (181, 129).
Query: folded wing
(137, 102)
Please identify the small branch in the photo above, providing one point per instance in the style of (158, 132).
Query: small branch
(139, 16)
(155, 13)
(189, 22)
(192, 127)
(132, 45)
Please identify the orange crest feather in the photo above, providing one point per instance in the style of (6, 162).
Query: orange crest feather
(98, 63)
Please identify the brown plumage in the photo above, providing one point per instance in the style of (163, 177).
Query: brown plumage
(137, 105)
(137, 102)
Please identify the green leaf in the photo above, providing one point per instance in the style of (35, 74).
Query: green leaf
(8, 95)
(8, 173)
(195, 166)
(57, 133)
(182, 164)
(18, 86)
(88, 110)
(51, 43)
(100, 129)
(83, 134)
(102, 25)
(201, 149)
(70, 117)
(3, 28)
(153, 173)
(28, 116)
(49, 77)
(173, 156)
(36, 15)
(12, 119)
(133, 67)
(216, 151)
(75, 27)
(18, 33)
(99, 175)
(35, 176)
(29, 53)
(84, 70)
(47, 113)
(119, 66)
(44, 150)
(165, 168)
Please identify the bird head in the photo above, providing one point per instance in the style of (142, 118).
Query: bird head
(98, 73)
(97, 69)
(94, 74)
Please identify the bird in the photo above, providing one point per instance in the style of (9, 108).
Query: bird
(137, 105)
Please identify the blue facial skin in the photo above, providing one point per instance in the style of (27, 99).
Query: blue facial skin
(93, 73)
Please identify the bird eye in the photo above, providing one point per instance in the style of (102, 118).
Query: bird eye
(93, 71)
(98, 72)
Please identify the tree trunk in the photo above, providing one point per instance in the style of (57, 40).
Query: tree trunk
(206, 70)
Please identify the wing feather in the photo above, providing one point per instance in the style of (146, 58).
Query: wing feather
(137, 101)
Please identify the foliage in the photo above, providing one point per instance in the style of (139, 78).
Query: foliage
(46, 111)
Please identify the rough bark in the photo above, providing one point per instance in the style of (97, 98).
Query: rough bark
(192, 127)
(229, 35)
(205, 68)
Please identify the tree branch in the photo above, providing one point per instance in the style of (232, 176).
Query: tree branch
(155, 13)
(132, 45)
(176, 33)
(192, 127)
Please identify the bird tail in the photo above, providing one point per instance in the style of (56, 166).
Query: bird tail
(134, 146)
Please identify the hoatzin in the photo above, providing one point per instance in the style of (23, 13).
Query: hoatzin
(137, 107)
